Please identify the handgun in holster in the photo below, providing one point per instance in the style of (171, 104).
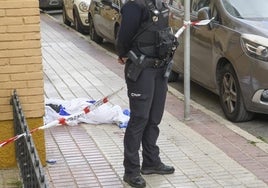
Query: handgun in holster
(136, 67)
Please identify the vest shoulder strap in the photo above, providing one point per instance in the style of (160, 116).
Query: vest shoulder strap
(152, 12)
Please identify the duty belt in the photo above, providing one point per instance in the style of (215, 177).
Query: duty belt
(144, 61)
(155, 63)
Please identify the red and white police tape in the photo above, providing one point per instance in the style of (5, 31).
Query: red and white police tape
(201, 22)
(63, 120)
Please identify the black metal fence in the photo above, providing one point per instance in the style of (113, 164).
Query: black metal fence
(27, 157)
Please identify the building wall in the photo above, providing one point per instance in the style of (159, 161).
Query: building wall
(20, 69)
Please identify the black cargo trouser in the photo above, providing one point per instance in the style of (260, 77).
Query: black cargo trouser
(147, 100)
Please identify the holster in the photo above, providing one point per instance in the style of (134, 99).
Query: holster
(133, 71)
(136, 66)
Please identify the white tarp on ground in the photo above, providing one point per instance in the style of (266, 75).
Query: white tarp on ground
(104, 114)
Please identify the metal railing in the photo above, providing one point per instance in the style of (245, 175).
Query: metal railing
(27, 157)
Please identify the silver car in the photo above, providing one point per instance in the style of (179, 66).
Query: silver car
(230, 55)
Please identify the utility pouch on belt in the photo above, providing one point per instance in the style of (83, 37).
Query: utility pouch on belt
(136, 67)
(165, 43)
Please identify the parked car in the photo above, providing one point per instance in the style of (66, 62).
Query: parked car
(50, 4)
(229, 56)
(76, 12)
(104, 20)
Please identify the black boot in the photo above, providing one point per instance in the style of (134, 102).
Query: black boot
(135, 181)
(160, 169)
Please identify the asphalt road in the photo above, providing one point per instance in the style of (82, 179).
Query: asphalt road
(257, 127)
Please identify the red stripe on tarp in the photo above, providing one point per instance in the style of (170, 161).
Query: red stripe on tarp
(86, 110)
(62, 121)
(105, 100)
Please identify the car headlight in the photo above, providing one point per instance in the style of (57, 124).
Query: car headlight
(83, 6)
(255, 46)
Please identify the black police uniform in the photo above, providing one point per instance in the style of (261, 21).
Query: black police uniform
(147, 94)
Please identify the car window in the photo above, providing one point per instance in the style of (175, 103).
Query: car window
(198, 4)
(252, 9)
(119, 3)
(214, 12)
(116, 2)
(177, 4)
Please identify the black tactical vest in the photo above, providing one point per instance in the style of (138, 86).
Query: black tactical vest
(154, 38)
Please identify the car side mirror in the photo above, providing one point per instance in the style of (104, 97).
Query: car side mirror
(205, 14)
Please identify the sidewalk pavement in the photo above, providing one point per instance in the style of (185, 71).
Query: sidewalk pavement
(206, 151)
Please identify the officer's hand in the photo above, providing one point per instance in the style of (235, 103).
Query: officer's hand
(122, 60)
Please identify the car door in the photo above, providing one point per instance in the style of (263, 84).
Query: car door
(108, 17)
(201, 47)
(201, 40)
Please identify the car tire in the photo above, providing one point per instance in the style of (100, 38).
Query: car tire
(116, 33)
(64, 17)
(173, 76)
(77, 23)
(92, 32)
(231, 98)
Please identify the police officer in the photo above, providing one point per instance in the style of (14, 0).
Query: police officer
(144, 45)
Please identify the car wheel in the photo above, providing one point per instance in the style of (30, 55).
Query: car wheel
(231, 98)
(173, 76)
(92, 32)
(77, 24)
(115, 35)
(64, 17)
